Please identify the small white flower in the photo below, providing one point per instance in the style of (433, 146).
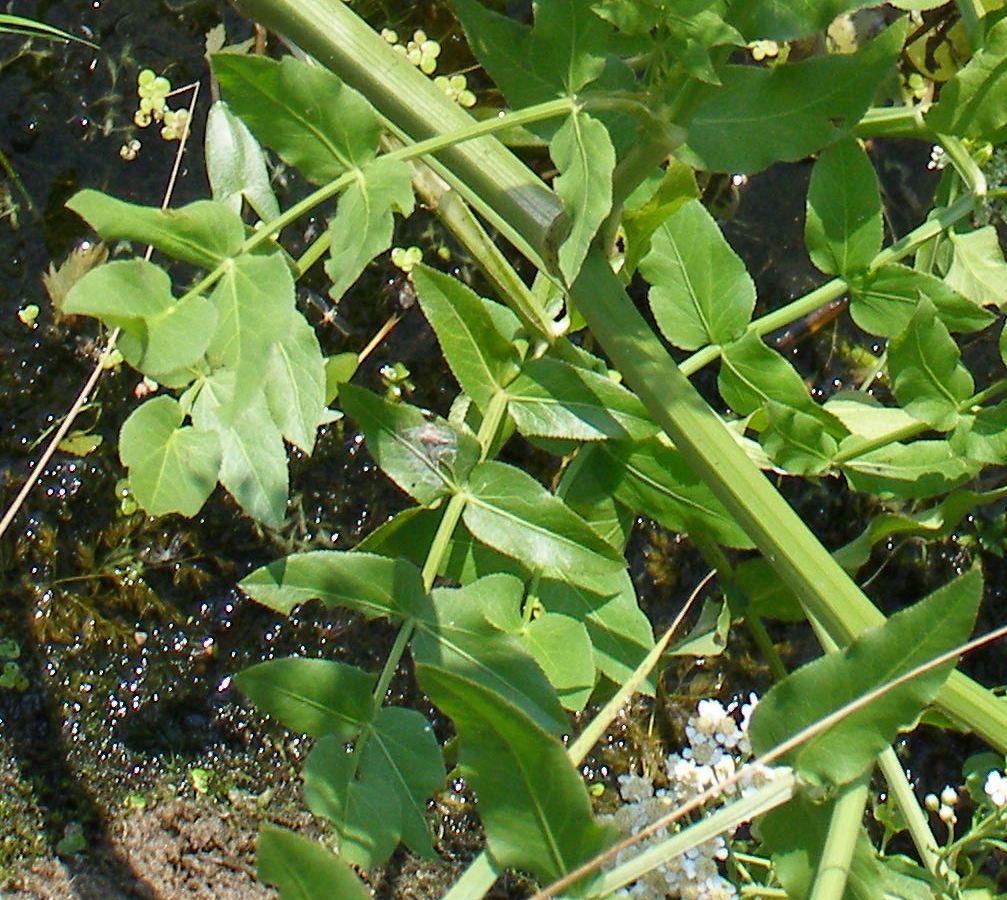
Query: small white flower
(635, 788)
(949, 796)
(996, 788)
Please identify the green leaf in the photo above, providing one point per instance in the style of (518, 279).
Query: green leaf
(917, 470)
(694, 29)
(236, 165)
(562, 647)
(675, 185)
(620, 632)
(653, 479)
(782, 20)
(978, 270)
(422, 455)
(973, 103)
(906, 640)
(762, 593)
(316, 696)
(171, 468)
(254, 461)
(795, 834)
(456, 637)
(843, 229)
(479, 356)
(11, 24)
(303, 869)
(752, 373)
(160, 335)
(983, 437)
(762, 115)
(884, 301)
(925, 370)
(933, 523)
(708, 637)
(511, 512)
(602, 511)
(585, 158)
(532, 801)
(410, 534)
(255, 310)
(864, 415)
(305, 113)
(295, 384)
(364, 811)
(203, 233)
(362, 225)
(700, 292)
(796, 441)
(401, 751)
(551, 398)
(564, 50)
(339, 369)
(369, 584)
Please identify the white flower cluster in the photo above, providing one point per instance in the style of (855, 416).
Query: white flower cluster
(718, 746)
(996, 788)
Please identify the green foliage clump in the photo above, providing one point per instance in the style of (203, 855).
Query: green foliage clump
(511, 598)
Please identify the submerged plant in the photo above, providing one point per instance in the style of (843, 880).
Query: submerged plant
(511, 599)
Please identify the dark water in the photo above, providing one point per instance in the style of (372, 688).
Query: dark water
(129, 629)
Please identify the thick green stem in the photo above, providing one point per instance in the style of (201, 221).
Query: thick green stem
(497, 184)
(824, 590)
(844, 831)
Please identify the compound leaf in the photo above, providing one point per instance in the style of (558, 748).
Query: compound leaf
(295, 384)
(552, 398)
(457, 636)
(795, 108)
(422, 455)
(236, 165)
(255, 309)
(884, 301)
(924, 366)
(585, 158)
(479, 356)
(511, 512)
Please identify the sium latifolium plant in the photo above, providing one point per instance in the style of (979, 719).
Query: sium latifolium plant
(512, 599)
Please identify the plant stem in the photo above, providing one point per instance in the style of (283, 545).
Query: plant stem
(430, 146)
(765, 644)
(497, 184)
(912, 429)
(832, 290)
(916, 822)
(844, 831)
(822, 587)
(895, 121)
